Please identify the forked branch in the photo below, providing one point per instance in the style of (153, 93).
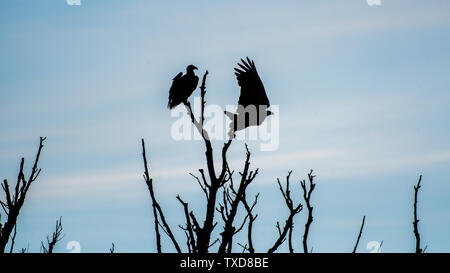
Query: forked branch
(56, 237)
(215, 182)
(307, 197)
(293, 210)
(232, 197)
(157, 211)
(190, 228)
(251, 219)
(14, 200)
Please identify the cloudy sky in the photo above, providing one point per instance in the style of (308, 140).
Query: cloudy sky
(363, 94)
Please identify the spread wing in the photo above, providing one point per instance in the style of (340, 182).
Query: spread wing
(173, 92)
(252, 88)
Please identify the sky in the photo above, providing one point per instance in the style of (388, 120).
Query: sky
(362, 91)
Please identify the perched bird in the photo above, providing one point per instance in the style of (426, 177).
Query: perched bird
(182, 87)
(253, 101)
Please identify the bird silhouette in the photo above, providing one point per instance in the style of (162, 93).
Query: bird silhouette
(182, 87)
(253, 101)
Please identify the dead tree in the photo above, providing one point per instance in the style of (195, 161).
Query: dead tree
(56, 237)
(216, 180)
(15, 200)
(212, 183)
(202, 232)
(198, 231)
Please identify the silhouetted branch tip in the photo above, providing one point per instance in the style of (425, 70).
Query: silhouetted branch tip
(416, 220)
(307, 196)
(232, 197)
(359, 235)
(15, 199)
(293, 210)
(189, 229)
(56, 237)
(157, 211)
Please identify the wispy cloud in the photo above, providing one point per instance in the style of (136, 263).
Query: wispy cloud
(329, 164)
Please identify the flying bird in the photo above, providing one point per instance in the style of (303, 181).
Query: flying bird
(253, 101)
(182, 87)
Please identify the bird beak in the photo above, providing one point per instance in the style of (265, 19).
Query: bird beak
(195, 68)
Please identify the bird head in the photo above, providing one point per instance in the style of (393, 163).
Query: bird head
(191, 67)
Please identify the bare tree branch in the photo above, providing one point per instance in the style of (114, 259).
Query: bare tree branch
(359, 235)
(13, 239)
(56, 237)
(188, 240)
(231, 203)
(189, 228)
(203, 186)
(202, 94)
(204, 232)
(291, 248)
(14, 201)
(307, 197)
(416, 220)
(157, 211)
(293, 210)
(252, 219)
(244, 248)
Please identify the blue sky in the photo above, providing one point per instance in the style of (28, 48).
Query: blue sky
(363, 93)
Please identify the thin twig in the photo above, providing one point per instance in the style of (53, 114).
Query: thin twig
(189, 228)
(202, 94)
(416, 220)
(307, 197)
(252, 219)
(157, 211)
(203, 186)
(359, 235)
